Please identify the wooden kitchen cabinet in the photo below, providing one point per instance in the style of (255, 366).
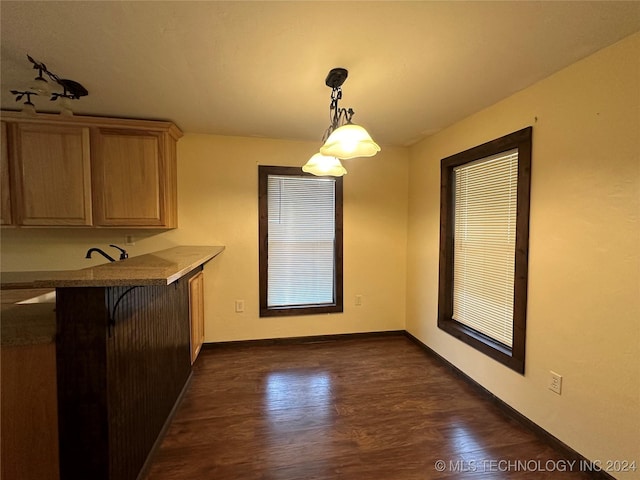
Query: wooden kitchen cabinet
(88, 171)
(196, 313)
(29, 412)
(133, 178)
(6, 217)
(51, 174)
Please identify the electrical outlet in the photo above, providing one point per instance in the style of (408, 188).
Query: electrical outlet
(239, 306)
(555, 382)
(358, 301)
(129, 240)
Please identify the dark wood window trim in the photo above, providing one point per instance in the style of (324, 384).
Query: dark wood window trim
(513, 357)
(337, 305)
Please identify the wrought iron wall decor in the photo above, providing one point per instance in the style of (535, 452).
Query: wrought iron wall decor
(56, 88)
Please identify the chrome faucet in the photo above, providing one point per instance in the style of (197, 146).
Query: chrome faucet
(123, 253)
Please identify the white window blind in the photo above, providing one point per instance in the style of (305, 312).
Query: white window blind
(484, 244)
(301, 237)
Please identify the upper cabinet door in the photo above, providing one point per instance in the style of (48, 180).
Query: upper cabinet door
(5, 215)
(52, 176)
(133, 178)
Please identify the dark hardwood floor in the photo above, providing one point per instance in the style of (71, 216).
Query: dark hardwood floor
(356, 409)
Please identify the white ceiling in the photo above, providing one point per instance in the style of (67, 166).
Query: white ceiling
(258, 68)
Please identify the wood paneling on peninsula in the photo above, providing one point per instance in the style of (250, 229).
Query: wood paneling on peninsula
(123, 359)
(123, 355)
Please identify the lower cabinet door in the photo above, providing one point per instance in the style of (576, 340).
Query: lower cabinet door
(196, 313)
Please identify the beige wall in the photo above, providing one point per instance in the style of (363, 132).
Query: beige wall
(583, 318)
(218, 205)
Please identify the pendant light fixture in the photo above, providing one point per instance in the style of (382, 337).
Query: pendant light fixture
(322, 165)
(343, 139)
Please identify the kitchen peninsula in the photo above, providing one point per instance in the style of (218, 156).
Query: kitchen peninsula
(123, 355)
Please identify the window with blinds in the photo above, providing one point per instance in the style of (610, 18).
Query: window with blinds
(486, 193)
(484, 238)
(301, 242)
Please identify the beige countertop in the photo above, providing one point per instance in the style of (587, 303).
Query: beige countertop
(26, 324)
(36, 323)
(158, 268)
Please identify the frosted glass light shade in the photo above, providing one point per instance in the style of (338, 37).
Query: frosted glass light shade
(349, 141)
(322, 165)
